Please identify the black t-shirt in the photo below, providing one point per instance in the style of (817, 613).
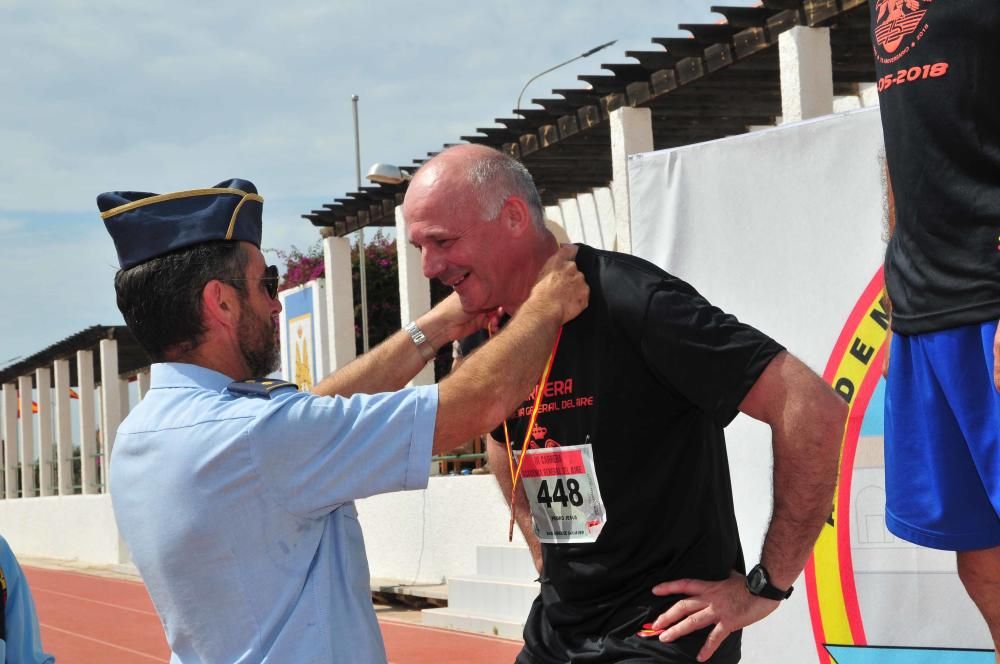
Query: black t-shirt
(649, 374)
(938, 67)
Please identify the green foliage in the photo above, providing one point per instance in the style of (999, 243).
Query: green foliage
(382, 281)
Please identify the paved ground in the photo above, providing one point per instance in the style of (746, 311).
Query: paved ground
(104, 616)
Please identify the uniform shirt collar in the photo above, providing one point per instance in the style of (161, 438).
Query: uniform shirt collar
(179, 374)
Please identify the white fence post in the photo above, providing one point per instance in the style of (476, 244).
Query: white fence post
(339, 302)
(124, 398)
(414, 289)
(631, 133)
(553, 213)
(64, 429)
(26, 426)
(43, 381)
(88, 428)
(604, 202)
(111, 407)
(590, 221)
(10, 440)
(572, 222)
(806, 73)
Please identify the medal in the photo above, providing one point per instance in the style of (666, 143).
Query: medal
(515, 472)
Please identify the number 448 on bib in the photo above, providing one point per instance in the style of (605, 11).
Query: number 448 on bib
(564, 493)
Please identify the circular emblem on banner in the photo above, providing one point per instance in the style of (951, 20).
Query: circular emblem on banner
(854, 370)
(856, 526)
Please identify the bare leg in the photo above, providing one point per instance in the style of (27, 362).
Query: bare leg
(980, 573)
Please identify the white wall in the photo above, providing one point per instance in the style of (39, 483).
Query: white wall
(422, 537)
(412, 537)
(80, 528)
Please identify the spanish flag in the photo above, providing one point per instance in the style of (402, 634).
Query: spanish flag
(34, 408)
(34, 404)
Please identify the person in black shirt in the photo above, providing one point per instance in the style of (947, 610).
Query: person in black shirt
(938, 68)
(624, 491)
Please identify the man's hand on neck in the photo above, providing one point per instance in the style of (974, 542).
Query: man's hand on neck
(547, 247)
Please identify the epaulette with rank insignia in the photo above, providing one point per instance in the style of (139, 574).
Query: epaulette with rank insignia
(257, 387)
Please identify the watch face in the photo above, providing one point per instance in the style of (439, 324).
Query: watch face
(756, 580)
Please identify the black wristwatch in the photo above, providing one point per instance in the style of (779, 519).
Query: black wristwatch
(759, 584)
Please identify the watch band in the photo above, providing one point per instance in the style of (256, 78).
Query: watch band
(421, 341)
(759, 584)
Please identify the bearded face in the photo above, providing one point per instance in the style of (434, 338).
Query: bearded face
(259, 346)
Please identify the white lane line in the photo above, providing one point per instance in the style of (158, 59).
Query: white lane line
(105, 643)
(95, 601)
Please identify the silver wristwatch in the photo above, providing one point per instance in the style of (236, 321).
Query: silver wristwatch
(420, 341)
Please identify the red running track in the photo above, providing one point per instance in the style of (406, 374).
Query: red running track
(88, 619)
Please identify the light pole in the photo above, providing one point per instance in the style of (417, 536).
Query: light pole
(561, 64)
(361, 231)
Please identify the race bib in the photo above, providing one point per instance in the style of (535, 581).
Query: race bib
(565, 497)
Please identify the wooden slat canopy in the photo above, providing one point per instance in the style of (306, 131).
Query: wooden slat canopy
(131, 356)
(719, 82)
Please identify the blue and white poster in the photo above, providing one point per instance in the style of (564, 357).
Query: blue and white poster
(302, 328)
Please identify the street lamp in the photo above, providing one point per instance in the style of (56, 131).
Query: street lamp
(387, 174)
(561, 64)
(361, 231)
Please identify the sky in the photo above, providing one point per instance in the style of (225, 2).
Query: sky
(157, 96)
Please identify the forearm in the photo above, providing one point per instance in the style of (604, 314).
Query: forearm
(807, 426)
(385, 368)
(806, 457)
(390, 365)
(493, 381)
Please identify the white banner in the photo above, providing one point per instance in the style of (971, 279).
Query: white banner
(784, 228)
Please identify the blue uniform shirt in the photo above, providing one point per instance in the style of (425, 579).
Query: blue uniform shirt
(238, 512)
(24, 642)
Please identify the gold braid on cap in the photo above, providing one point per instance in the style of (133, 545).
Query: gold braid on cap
(187, 194)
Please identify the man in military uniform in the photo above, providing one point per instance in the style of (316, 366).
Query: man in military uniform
(234, 495)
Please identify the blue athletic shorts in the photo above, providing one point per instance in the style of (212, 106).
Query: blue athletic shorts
(942, 439)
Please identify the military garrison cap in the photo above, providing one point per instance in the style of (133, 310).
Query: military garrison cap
(144, 225)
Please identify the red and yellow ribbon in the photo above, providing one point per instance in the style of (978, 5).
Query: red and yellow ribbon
(515, 474)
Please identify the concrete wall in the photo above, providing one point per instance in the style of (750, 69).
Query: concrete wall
(421, 537)
(413, 537)
(80, 528)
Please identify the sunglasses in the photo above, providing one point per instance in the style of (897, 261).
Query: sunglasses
(270, 280)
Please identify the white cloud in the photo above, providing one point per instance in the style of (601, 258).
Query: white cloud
(9, 227)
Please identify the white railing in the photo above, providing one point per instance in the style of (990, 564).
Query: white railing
(48, 452)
